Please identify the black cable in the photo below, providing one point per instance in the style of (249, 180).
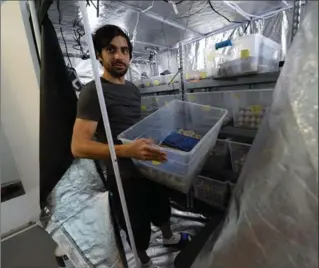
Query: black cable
(78, 34)
(210, 4)
(61, 31)
(246, 27)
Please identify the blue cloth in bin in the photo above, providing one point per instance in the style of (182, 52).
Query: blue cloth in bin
(180, 142)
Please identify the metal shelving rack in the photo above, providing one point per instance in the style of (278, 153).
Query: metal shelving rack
(161, 89)
(221, 83)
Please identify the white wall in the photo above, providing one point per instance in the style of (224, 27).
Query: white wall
(19, 114)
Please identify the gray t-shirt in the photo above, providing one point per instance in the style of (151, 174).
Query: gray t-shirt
(123, 104)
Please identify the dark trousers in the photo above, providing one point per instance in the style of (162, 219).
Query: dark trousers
(147, 203)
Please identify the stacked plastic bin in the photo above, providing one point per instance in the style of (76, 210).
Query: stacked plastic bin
(160, 80)
(220, 99)
(249, 54)
(197, 75)
(250, 106)
(238, 154)
(246, 107)
(151, 104)
(182, 167)
(208, 189)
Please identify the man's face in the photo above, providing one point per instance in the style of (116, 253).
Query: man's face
(116, 57)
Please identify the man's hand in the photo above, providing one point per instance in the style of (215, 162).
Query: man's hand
(144, 149)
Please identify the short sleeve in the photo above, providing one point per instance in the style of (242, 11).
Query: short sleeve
(88, 104)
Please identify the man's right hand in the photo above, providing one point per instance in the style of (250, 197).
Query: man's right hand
(144, 149)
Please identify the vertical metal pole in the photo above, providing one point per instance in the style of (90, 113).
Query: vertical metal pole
(296, 18)
(35, 25)
(180, 55)
(130, 73)
(106, 123)
(284, 34)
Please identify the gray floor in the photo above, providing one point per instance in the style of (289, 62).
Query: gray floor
(31, 249)
(35, 248)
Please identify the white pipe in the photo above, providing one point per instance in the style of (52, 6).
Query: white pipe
(36, 27)
(238, 11)
(107, 127)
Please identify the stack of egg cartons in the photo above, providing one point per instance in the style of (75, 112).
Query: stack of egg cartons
(250, 106)
(250, 117)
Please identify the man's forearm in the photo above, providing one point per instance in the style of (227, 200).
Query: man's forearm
(97, 150)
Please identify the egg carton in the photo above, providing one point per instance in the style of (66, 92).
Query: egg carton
(250, 117)
(189, 133)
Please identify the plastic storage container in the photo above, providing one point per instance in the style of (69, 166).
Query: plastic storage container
(153, 103)
(249, 107)
(137, 83)
(238, 154)
(250, 54)
(220, 99)
(146, 82)
(160, 80)
(216, 159)
(182, 167)
(211, 191)
(196, 75)
(168, 79)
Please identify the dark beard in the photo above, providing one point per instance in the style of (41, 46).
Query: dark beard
(115, 72)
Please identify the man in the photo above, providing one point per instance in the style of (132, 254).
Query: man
(146, 201)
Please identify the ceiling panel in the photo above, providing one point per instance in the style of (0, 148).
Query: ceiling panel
(195, 15)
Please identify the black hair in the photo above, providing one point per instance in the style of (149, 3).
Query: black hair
(104, 36)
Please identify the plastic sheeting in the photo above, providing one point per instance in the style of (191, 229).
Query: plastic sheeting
(80, 220)
(273, 216)
(81, 225)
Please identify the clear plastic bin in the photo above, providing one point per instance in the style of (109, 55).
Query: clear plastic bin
(250, 54)
(137, 83)
(153, 103)
(160, 80)
(211, 191)
(168, 79)
(146, 82)
(249, 107)
(217, 158)
(196, 75)
(182, 167)
(220, 99)
(238, 154)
